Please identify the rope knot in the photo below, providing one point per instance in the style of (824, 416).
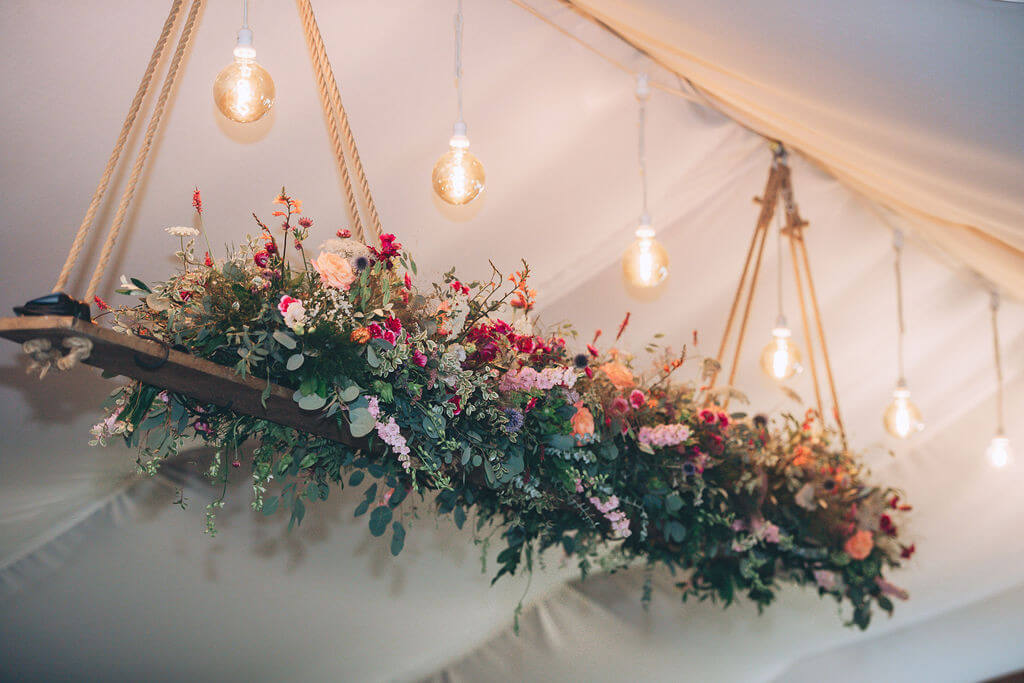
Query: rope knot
(44, 355)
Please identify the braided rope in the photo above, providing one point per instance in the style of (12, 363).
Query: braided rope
(312, 31)
(115, 155)
(140, 159)
(316, 40)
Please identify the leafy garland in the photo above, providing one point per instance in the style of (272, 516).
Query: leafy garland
(557, 444)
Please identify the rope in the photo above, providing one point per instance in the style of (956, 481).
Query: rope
(115, 154)
(323, 66)
(994, 306)
(44, 356)
(311, 31)
(147, 143)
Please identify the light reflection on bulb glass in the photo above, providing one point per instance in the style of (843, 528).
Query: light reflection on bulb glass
(645, 263)
(244, 91)
(458, 176)
(902, 418)
(780, 359)
(999, 452)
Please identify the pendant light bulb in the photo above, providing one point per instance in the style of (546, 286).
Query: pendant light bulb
(645, 263)
(780, 359)
(244, 91)
(458, 176)
(999, 453)
(902, 419)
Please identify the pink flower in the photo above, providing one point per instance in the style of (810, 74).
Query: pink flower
(261, 258)
(889, 589)
(393, 324)
(390, 336)
(419, 358)
(293, 311)
(376, 331)
(825, 578)
(637, 399)
(619, 406)
(335, 271)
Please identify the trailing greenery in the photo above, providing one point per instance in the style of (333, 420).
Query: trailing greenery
(551, 441)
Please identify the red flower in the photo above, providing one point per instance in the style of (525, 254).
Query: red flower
(208, 262)
(525, 344)
(261, 258)
(408, 281)
(707, 416)
(389, 248)
(393, 324)
(419, 358)
(723, 419)
(886, 525)
(343, 233)
(306, 222)
(101, 304)
(197, 201)
(906, 551)
(270, 247)
(376, 331)
(592, 349)
(531, 403)
(637, 399)
(185, 295)
(390, 336)
(589, 370)
(457, 401)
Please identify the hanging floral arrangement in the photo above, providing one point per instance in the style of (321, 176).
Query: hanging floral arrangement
(551, 441)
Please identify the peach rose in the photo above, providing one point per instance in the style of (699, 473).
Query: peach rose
(360, 335)
(582, 421)
(619, 375)
(334, 270)
(859, 545)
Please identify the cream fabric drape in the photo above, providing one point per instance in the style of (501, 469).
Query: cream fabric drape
(880, 94)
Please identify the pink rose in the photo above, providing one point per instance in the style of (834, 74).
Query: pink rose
(637, 399)
(286, 301)
(335, 270)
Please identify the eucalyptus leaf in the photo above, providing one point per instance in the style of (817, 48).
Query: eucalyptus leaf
(312, 402)
(295, 361)
(284, 339)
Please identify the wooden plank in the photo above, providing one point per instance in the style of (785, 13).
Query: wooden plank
(182, 373)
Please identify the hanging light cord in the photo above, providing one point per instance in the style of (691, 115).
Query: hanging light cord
(643, 91)
(897, 247)
(778, 252)
(458, 56)
(245, 13)
(994, 305)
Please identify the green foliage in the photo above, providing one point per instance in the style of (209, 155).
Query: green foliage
(598, 462)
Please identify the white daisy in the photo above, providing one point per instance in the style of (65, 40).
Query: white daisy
(181, 231)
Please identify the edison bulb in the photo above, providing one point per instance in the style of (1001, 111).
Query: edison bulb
(781, 358)
(999, 452)
(244, 91)
(458, 176)
(645, 263)
(902, 418)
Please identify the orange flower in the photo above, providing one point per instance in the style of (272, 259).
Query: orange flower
(360, 335)
(801, 456)
(618, 374)
(582, 421)
(335, 270)
(859, 545)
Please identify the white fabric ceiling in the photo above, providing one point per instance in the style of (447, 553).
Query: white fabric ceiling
(103, 578)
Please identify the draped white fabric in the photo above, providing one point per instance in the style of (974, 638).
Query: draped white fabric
(101, 577)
